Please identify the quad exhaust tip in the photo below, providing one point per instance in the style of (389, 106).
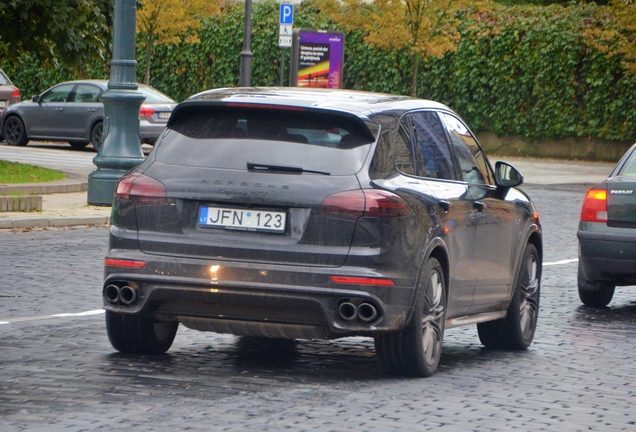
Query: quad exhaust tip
(365, 312)
(121, 294)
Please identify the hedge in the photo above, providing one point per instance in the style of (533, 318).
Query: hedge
(519, 70)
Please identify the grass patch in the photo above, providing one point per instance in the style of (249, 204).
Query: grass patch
(15, 173)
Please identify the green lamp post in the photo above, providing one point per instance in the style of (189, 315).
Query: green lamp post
(121, 148)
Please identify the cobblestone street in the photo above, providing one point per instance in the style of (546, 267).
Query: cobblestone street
(60, 372)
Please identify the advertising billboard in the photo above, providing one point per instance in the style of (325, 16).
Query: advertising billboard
(317, 58)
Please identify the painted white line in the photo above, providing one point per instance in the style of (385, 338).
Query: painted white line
(561, 262)
(101, 311)
(46, 317)
(87, 313)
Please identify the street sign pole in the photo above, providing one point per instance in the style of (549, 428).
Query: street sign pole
(285, 36)
(282, 66)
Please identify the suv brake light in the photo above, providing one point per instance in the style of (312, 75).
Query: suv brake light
(595, 206)
(351, 205)
(141, 190)
(15, 93)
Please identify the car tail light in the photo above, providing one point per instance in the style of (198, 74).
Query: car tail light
(145, 112)
(141, 189)
(351, 205)
(595, 206)
(362, 281)
(15, 94)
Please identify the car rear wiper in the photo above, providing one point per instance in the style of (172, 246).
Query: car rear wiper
(256, 167)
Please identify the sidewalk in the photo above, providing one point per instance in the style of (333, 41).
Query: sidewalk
(71, 208)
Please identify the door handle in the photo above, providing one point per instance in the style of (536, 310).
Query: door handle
(445, 205)
(479, 205)
(91, 110)
(59, 109)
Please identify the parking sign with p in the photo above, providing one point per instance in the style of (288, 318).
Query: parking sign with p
(286, 14)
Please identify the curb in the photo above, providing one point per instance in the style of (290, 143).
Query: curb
(50, 222)
(35, 220)
(59, 186)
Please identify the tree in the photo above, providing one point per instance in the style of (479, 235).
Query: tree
(428, 28)
(167, 21)
(73, 32)
(614, 32)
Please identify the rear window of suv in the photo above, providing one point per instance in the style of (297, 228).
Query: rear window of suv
(290, 125)
(228, 137)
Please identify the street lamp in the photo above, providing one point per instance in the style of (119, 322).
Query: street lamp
(246, 54)
(121, 148)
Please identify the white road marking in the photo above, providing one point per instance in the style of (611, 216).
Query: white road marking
(561, 262)
(101, 311)
(61, 315)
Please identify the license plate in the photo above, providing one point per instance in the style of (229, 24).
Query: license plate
(242, 219)
(2, 104)
(164, 115)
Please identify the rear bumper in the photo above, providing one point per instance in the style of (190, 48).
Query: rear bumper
(608, 254)
(293, 302)
(150, 132)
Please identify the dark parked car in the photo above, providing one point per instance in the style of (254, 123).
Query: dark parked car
(607, 235)
(298, 213)
(73, 112)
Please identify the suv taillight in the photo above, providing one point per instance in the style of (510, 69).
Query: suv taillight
(141, 189)
(351, 205)
(15, 94)
(595, 206)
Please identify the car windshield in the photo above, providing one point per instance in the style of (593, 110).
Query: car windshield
(154, 96)
(4, 80)
(629, 169)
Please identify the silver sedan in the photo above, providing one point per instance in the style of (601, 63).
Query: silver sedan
(73, 112)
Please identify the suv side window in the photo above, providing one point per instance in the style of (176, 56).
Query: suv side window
(433, 153)
(474, 168)
(405, 147)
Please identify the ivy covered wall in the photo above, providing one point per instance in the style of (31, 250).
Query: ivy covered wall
(520, 70)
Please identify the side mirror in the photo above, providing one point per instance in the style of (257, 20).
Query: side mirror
(506, 175)
(35, 98)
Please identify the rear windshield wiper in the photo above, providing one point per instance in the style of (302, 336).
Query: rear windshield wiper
(256, 167)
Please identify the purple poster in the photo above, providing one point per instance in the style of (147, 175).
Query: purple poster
(318, 59)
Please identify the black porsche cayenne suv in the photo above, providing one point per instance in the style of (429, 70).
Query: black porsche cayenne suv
(303, 213)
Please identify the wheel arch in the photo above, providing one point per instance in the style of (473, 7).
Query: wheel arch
(436, 249)
(15, 114)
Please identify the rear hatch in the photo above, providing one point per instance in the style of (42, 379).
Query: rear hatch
(247, 183)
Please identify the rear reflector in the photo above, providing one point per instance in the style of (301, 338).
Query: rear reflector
(141, 189)
(595, 206)
(111, 262)
(351, 205)
(362, 281)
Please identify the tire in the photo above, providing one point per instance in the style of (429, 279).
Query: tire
(416, 350)
(516, 330)
(594, 294)
(78, 145)
(96, 135)
(15, 132)
(132, 334)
